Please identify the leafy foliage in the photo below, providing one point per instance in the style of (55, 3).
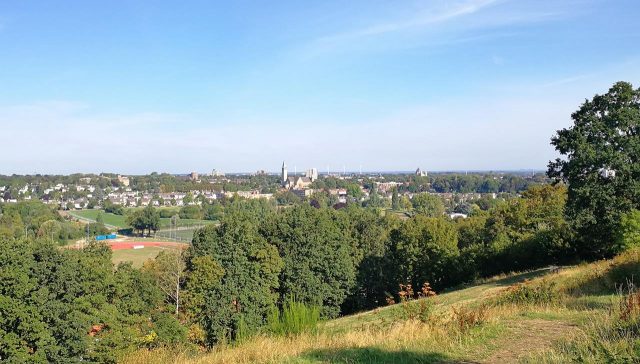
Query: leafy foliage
(602, 168)
(249, 279)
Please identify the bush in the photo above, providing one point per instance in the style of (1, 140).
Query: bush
(466, 318)
(416, 306)
(295, 318)
(168, 329)
(191, 212)
(167, 213)
(528, 293)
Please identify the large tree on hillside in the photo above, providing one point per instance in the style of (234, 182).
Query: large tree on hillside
(422, 250)
(318, 264)
(247, 267)
(601, 167)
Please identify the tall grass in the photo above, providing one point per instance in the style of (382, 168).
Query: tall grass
(541, 292)
(294, 318)
(612, 337)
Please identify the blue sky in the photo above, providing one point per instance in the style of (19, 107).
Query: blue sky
(141, 86)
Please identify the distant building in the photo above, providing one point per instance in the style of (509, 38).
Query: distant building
(607, 173)
(312, 174)
(298, 182)
(193, 176)
(123, 180)
(284, 175)
(457, 215)
(421, 173)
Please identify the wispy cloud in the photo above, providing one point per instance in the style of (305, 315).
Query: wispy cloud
(437, 24)
(425, 18)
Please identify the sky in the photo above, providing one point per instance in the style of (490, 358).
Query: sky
(178, 86)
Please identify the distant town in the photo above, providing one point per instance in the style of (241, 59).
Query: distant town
(90, 191)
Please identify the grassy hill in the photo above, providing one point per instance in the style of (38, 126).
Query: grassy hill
(586, 313)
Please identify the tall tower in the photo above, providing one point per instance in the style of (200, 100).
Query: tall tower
(284, 172)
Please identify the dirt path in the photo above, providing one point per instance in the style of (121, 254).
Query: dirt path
(529, 336)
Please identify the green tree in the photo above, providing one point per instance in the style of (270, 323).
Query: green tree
(395, 199)
(247, 289)
(602, 167)
(422, 250)
(354, 191)
(629, 233)
(100, 218)
(427, 204)
(168, 270)
(319, 268)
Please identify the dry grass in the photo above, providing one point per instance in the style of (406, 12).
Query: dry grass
(443, 335)
(467, 325)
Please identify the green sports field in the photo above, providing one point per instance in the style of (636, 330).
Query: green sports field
(109, 219)
(119, 221)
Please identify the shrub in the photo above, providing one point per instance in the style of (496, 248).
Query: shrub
(528, 293)
(168, 329)
(295, 318)
(466, 318)
(167, 213)
(416, 306)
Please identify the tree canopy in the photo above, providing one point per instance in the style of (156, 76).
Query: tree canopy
(601, 166)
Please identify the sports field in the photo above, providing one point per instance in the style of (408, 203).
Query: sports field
(124, 252)
(119, 221)
(109, 219)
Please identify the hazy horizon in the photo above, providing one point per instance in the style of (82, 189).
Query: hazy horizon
(441, 85)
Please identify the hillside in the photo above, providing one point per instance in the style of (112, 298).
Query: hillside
(582, 313)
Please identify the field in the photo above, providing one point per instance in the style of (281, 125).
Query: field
(136, 256)
(119, 221)
(123, 252)
(575, 314)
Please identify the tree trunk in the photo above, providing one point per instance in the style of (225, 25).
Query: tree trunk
(177, 295)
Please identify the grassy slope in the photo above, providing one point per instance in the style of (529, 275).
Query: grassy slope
(511, 332)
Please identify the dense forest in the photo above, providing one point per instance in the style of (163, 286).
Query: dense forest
(67, 305)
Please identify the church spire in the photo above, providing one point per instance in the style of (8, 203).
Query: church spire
(284, 172)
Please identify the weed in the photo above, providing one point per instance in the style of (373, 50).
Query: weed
(416, 306)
